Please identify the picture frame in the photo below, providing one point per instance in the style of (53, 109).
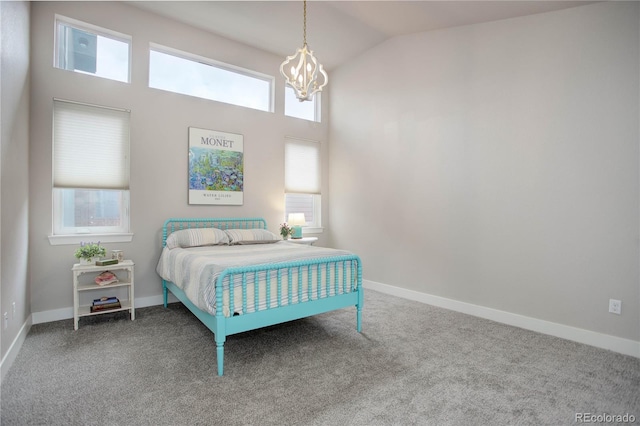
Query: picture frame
(216, 167)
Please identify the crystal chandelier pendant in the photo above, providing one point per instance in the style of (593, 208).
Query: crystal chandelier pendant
(302, 71)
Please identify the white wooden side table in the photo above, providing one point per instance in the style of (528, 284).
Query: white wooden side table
(85, 310)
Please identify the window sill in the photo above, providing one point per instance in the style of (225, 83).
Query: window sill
(59, 240)
(310, 230)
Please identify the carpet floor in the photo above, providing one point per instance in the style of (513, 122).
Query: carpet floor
(413, 364)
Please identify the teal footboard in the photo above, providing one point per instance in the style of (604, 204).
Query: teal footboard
(299, 288)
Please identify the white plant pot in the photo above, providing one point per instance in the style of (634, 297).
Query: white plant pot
(91, 261)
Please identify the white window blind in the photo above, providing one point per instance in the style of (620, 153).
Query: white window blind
(302, 166)
(90, 146)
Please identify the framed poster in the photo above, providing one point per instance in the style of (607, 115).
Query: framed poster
(216, 167)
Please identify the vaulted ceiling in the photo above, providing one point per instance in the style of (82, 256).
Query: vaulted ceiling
(337, 30)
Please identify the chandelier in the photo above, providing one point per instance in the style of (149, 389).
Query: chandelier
(302, 71)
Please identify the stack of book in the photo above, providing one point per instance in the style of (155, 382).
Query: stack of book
(105, 304)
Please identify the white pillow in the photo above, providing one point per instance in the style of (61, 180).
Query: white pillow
(197, 237)
(251, 236)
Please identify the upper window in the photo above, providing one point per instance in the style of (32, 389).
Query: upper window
(90, 169)
(188, 74)
(307, 110)
(88, 49)
(302, 181)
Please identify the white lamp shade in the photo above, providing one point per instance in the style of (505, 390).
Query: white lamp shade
(296, 219)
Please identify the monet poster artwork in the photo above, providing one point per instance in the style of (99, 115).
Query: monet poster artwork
(216, 167)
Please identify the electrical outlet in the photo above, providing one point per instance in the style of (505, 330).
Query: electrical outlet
(6, 320)
(13, 310)
(615, 306)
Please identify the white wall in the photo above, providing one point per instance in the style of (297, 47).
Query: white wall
(498, 165)
(159, 126)
(14, 199)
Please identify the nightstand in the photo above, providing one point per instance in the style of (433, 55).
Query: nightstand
(88, 286)
(304, 240)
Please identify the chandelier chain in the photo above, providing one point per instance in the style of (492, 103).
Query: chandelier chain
(304, 27)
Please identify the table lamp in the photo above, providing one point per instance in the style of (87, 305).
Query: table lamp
(296, 220)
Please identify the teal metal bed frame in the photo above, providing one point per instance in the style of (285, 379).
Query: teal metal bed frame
(222, 326)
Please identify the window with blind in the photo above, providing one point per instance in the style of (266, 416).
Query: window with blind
(303, 181)
(90, 169)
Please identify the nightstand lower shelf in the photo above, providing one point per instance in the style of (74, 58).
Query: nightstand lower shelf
(85, 311)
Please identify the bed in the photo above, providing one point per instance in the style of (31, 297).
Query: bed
(235, 276)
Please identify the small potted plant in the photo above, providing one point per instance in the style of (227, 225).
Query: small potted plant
(285, 231)
(88, 253)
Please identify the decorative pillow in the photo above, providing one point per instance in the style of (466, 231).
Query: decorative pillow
(251, 236)
(197, 238)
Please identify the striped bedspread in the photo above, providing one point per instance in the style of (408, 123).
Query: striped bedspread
(196, 269)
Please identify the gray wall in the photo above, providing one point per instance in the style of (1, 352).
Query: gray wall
(498, 164)
(159, 125)
(14, 194)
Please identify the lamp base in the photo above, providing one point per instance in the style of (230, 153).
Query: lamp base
(297, 232)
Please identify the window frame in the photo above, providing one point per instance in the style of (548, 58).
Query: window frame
(58, 207)
(317, 105)
(122, 235)
(314, 226)
(188, 56)
(100, 31)
(74, 235)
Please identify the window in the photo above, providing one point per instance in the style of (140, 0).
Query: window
(302, 181)
(307, 110)
(90, 169)
(188, 74)
(88, 49)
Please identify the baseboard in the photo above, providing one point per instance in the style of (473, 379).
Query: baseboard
(600, 340)
(592, 338)
(67, 313)
(52, 315)
(12, 353)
